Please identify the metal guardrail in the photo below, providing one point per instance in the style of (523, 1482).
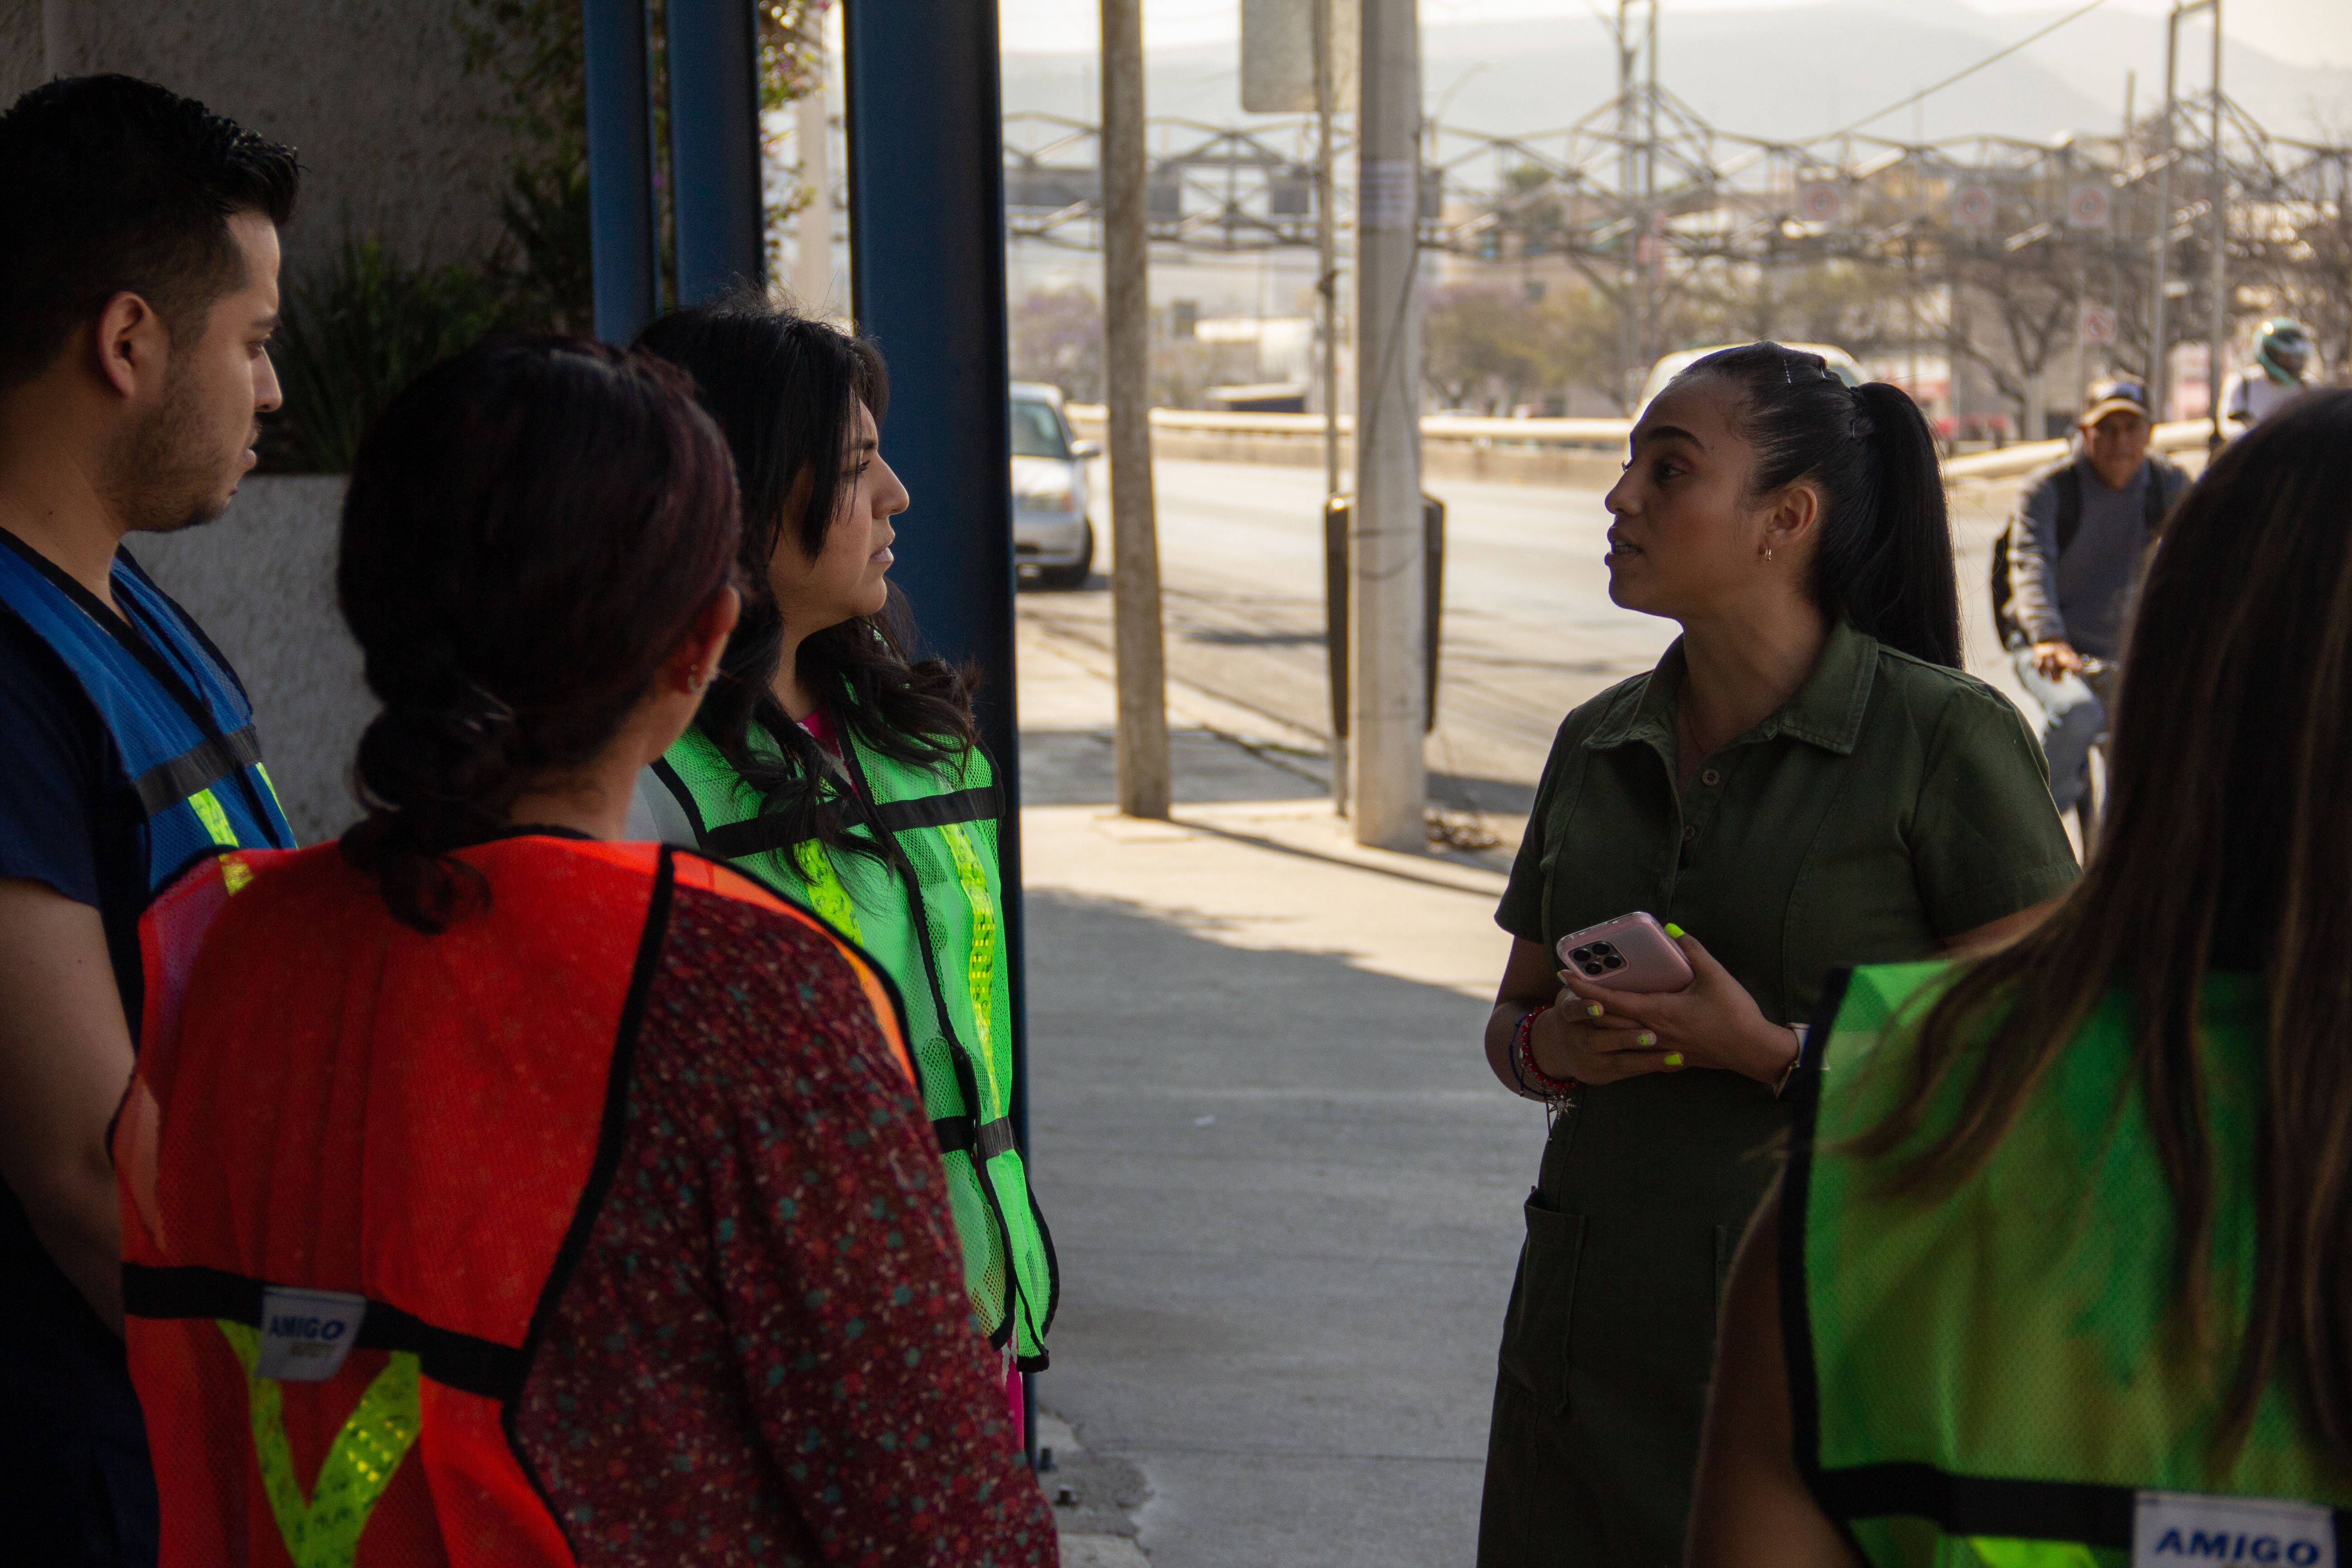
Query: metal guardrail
(1597, 435)
(1589, 435)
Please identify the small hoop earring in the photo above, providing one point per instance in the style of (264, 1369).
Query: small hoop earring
(1768, 553)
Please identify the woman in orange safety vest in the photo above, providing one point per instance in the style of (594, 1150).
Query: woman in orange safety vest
(497, 1193)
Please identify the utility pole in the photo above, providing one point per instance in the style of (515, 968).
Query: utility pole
(2220, 321)
(812, 129)
(1142, 745)
(1386, 544)
(1327, 288)
(2160, 373)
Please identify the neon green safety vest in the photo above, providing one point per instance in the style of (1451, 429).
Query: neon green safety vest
(931, 913)
(2004, 1376)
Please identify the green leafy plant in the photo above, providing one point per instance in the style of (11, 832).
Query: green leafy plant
(356, 332)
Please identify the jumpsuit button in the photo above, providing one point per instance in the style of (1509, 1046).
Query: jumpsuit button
(1710, 778)
(1690, 833)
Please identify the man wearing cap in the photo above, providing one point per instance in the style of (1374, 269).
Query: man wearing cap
(2076, 546)
(2282, 356)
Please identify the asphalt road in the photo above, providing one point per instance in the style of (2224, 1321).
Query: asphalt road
(1529, 631)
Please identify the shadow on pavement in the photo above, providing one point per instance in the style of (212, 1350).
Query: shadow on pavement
(1285, 1192)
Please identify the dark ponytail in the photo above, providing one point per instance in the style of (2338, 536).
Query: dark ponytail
(1883, 546)
(531, 529)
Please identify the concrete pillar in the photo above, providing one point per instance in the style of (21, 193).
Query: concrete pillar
(1387, 656)
(812, 264)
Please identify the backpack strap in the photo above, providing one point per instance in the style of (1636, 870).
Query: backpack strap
(2070, 508)
(2152, 499)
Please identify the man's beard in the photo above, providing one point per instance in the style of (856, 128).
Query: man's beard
(163, 477)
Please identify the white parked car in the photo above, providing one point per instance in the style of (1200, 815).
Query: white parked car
(1052, 535)
(1673, 365)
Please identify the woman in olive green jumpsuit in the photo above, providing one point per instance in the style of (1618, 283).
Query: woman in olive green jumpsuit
(1805, 780)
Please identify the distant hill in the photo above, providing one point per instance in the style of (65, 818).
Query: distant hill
(1786, 73)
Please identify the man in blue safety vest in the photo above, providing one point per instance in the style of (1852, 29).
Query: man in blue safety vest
(138, 290)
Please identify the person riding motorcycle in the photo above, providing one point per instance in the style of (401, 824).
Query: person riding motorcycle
(2276, 378)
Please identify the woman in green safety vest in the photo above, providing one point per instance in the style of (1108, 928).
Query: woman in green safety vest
(833, 767)
(2060, 1274)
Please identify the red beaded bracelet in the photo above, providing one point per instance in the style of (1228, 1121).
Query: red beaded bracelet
(1533, 1081)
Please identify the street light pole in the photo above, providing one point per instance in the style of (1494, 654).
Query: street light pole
(1144, 786)
(1326, 288)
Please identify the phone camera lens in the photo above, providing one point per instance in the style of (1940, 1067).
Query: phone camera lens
(1579, 955)
(1590, 968)
(1612, 962)
(1604, 950)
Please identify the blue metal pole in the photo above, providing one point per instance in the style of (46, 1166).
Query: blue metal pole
(927, 272)
(620, 167)
(714, 147)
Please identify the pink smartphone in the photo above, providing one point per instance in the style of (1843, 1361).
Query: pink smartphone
(1631, 953)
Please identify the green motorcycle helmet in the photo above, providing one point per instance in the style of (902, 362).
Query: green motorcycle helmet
(2283, 349)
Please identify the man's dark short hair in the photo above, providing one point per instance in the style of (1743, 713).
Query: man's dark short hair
(109, 185)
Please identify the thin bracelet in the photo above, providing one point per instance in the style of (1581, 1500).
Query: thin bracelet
(1545, 1087)
(1781, 1084)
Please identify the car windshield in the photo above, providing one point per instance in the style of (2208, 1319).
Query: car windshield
(1038, 431)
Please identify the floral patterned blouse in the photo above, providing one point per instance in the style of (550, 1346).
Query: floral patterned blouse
(765, 1354)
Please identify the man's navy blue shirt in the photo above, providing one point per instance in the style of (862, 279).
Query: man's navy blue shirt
(75, 1483)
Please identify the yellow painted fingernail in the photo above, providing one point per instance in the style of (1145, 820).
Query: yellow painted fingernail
(1673, 930)
(1593, 1009)
(1645, 1038)
(1674, 1058)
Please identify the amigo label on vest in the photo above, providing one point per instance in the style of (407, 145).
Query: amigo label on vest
(2180, 1530)
(305, 1334)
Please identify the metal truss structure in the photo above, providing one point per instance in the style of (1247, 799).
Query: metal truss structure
(1647, 202)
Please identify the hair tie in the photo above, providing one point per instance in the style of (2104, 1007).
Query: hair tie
(482, 710)
(1863, 428)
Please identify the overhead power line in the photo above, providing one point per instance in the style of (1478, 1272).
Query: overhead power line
(1962, 76)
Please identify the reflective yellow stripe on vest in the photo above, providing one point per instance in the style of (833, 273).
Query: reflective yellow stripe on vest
(208, 812)
(2004, 1551)
(824, 890)
(324, 1532)
(980, 967)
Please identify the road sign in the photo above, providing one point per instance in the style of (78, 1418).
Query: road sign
(1973, 206)
(2097, 326)
(1819, 201)
(2087, 207)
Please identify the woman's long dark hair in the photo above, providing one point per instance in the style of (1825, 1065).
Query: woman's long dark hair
(1883, 547)
(531, 529)
(2227, 846)
(784, 389)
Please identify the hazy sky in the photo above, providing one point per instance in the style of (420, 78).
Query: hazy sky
(2308, 32)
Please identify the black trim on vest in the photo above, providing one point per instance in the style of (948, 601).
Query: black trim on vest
(1796, 1316)
(956, 1133)
(2093, 1514)
(140, 645)
(611, 1132)
(453, 1359)
(985, 803)
(684, 797)
(753, 835)
(166, 784)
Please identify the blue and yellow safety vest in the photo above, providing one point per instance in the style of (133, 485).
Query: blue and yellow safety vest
(169, 699)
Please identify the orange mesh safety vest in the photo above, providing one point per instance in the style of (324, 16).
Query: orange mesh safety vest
(355, 1165)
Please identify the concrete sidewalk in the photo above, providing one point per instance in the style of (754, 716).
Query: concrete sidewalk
(1284, 1189)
